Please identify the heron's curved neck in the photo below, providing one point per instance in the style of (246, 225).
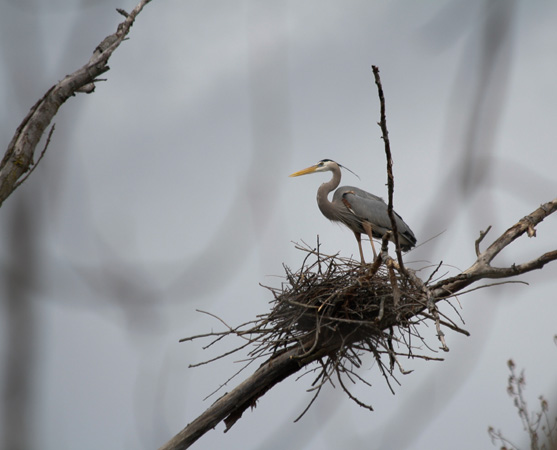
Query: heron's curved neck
(323, 202)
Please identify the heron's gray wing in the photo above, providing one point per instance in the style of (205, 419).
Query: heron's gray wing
(365, 206)
(372, 209)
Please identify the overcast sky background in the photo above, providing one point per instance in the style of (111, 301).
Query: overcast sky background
(167, 191)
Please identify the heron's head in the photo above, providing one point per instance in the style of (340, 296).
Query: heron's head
(325, 165)
(322, 166)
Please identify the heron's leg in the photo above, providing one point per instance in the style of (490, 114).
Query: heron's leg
(359, 239)
(367, 227)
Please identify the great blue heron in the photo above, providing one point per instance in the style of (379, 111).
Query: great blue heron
(359, 210)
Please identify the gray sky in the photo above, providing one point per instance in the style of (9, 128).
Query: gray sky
(167, 191)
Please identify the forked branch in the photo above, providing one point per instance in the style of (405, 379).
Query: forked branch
(482, 267)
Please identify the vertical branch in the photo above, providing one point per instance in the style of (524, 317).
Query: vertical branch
(390, 177)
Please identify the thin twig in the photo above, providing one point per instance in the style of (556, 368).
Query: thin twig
(390, 176)
(480, 239)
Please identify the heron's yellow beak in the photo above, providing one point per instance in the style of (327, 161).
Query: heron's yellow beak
(304, 171)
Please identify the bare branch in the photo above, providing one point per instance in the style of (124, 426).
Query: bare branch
(480, 239)
(32, 169)
(525, 225)
(390, 176)
(482, 268)
(19, 154)
(231, 406)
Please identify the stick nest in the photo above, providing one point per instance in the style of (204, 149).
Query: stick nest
(341, 296)
(335, 311)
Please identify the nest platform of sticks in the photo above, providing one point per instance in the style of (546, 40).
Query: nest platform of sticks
(334, 311)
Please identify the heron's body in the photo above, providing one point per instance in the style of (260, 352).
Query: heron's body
(359, 210)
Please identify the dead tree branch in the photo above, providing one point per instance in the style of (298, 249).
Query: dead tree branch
(18, 158)
(482, 268)
(390, 176)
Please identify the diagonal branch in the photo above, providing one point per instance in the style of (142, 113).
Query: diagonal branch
(525, 225)
(482, 267)
(18, 158)
(230, 407)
